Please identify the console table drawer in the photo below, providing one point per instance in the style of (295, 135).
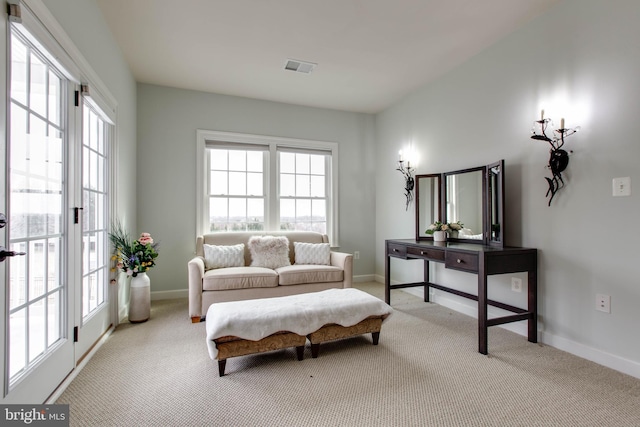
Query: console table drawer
(399, 251)
(431, 254)
(461, 261)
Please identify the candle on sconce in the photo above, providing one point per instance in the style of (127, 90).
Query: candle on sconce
(562, 123)
(541, 114)
(400, 155)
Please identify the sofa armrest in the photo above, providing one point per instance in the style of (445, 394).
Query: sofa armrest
(345, 262)
(196, 273)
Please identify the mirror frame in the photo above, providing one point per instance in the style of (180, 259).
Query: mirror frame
(496, 206)
(493, 202)
(438, 177)
(483, 209)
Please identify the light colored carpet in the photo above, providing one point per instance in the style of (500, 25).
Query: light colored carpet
(426, 371)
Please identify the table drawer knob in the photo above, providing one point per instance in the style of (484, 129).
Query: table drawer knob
(459, 261)
(421, 252)
(395, 250)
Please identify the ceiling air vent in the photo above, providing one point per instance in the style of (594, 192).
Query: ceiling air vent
(299, 66)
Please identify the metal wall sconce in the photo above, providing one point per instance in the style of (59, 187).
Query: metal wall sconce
(407, 171)
(558, 158)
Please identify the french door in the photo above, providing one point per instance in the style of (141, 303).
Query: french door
(56, 269)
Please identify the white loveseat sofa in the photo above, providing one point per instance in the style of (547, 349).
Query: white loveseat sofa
(235, 283)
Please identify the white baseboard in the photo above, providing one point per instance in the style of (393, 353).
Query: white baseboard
(365, 278)
(175, 294)
(600, 357)
(617, 363)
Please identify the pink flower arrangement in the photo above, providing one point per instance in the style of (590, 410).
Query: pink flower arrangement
(145, 238)
(135, 256)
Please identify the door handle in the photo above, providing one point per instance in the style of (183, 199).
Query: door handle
(4, 253)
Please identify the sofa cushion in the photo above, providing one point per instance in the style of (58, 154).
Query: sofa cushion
(223, 256)
(312, 253)
(298, 274)
(269, 251)
(239, 278)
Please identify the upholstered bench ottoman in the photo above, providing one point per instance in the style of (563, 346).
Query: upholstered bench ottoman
(240, 328)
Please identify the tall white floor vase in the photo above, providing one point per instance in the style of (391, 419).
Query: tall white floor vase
(140, 298)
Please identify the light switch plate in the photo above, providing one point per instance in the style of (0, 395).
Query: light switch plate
(622, 186)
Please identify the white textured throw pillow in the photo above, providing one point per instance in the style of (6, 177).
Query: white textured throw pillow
(312, 253)
(269, 251)
(223, 256)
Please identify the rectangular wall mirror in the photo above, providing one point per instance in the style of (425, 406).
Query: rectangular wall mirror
(428, 203)
(473, 196)
(464, 201)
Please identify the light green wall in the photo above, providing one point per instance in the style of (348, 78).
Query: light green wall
(166, 180)
(580, 61)
(84, 24)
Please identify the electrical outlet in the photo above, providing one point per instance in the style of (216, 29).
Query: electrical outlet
(516, 284)
(603, 303)
(622, 186)
(356, 255)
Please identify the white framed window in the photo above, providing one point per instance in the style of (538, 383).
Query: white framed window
(253, 182)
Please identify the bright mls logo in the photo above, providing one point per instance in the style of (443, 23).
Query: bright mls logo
(36, 415)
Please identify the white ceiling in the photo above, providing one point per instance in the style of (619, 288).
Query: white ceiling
(370, 53)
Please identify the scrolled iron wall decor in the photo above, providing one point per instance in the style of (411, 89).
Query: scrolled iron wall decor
(558, 157)
(409, 182)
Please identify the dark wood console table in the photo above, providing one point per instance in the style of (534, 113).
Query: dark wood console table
(477, 259)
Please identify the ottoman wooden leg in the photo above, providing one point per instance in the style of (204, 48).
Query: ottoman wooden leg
(300, 352)
(376, 337)
(221, 365)
(315, 349)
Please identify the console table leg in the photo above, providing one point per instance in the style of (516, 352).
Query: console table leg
(426, 279)
(221, 366)
(483, 339)
(532, 296)
(387, 278)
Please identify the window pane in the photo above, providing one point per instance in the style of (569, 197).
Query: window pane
(37, 259)
(254, 161)
(55, 85)
(255, 210)
(38, 89)
(18, 277)
(237, 160)
(218, 159)
(317, 165)
(238, 183)
(218, 183)
(254, 184)
(317, 186)
(237, 209)
(287, 185)
(54, 325)
(303, 209)
(303, 186)
(302, 163)
(218, 213)
(287, 163)
(37, 329)
(319, 210)
(18, 71)
(287, 214)
(17, 341)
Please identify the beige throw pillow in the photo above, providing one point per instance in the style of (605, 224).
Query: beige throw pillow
(223, 256)
(312, 253)
(269, 251)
